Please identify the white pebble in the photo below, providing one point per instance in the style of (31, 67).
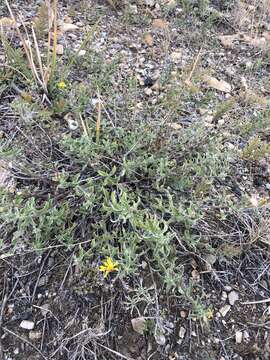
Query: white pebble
(27, 325)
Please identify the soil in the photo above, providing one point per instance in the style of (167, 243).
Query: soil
(80, 315)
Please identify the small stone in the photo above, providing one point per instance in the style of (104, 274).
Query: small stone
(182, 332)
(248, 64)
(175, 126)
(138, 325)
(221, 122)
(82, 52)
(150, 3)
(224, 295)
(171, 4)
(10, 309)
(35, 335)
(208, 118)
(183, 314)
(133, 9)
(27, 325)
(233, 297)
(68, 27)
(176, 56)
(16, 351)
(224, 310)
(227, 288)
(45, 309)
(203, 111)
(160, 339)
(73, 125)
(59, 49)
(148, 91)
(238, 337)
(246, 335)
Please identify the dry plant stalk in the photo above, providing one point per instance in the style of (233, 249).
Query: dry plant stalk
(188, 80)
(42, 74)
(98, 123)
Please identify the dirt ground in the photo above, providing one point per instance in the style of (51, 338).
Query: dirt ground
(75, 312)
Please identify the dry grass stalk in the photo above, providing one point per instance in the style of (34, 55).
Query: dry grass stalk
(42, 75)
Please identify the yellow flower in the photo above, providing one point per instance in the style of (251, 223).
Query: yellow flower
(210, 314)
(61, 85)
(108, 266)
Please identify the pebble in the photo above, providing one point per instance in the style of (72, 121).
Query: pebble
(224, 295)
(238, 337)
(227, 288)
(148, 91)
(59, 49)
(160, 339)
(176, 56)
(208, 118)
(183, 314)
(246, 335)
(34, 335)
(82, 52)
(182, 332)
(150, 2)
(233, 297)
(27, 325)
(249, 64)
(45, 309)
(224, 310)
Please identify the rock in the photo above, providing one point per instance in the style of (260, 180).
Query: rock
(214, 83)
(171, 4)
(224, 295)
(7, 22)
(138, 325)
(148, 91)
(248, 64)
(224, 310)
(176, 56)
(35, 335)
(59, 49)
(159, 24)
(45, 309)
(175, 126)
(238, 337)
(150, 2)
(182, 332)
(233, 297)
(183, 314)
(208, 118)
(133, 9)
(160, 339)
(27, 325)
(82, 52)
(68, 27)
(246, 335)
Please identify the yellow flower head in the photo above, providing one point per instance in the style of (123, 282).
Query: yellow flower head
(210, 314)
(108, 266)
(61, 85)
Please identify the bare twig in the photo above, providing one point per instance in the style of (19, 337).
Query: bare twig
(113, 352)
(187, 81)
(4, 302)
(98, 119)
(26, 341)
(264, 301)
